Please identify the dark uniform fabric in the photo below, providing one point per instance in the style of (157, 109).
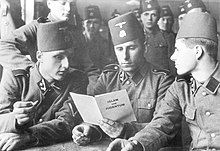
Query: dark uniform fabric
(99, 51)
(159, 46)
(56, 114)
(24, 39)
(145, 89)
(198, 103)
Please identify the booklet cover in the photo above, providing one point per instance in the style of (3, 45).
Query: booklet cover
(114, 105)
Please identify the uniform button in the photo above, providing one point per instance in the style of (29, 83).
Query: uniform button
(213, 149)
(149, 105)
(115, 67)
(207, 113)
(41, 84)
(213, 135)
(128, 82)
(204, 93)
(40, 120)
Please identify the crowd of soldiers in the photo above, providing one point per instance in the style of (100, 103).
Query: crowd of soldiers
(172, 79)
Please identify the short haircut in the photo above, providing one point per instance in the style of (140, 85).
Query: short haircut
(210, 46)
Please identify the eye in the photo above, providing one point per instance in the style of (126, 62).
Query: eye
(132, 47)
(118, 48)
(59, 57)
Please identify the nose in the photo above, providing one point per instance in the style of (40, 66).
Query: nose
(126, 54)
(165, 21)
(173, 56)
(67, 6)
(65, 63)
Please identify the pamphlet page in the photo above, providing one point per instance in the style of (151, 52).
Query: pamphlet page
(114, 105)
(87, 108)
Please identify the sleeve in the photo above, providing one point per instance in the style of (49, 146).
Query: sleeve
(60, 128)
(21, 42)
(165, 124)
(8, 96)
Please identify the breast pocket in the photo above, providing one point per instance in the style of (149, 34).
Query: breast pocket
(146, 107)
(190, 113)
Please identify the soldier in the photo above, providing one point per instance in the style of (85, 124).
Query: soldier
(36, 108)
(166, 19)
(159, 45)
(146, 85)
(24, 39)
(96, 44)
(137, 13)
(195, 94)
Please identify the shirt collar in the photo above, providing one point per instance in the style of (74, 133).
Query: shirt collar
(137, 77)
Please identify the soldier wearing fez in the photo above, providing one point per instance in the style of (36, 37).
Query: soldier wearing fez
(194, 95)
(97, 46)
(24, 40)
(146, 85)
(166, 19)
(159, 45)
(35, 107)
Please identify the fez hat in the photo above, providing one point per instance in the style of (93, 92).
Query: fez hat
(165, 11)
(190, 4)
(148, 5)
(91, 12)
(181, 9)
(53, 36)
(198, 25)
(125, 28)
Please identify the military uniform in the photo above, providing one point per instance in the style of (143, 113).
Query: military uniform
(24, 39)
(199, 103)
(56, 114)
(159, 46)
(145, 89)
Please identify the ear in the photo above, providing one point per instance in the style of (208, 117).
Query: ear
(199, 52)
(39, 56)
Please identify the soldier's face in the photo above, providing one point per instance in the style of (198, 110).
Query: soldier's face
(185, 58)
(92, 26)
(60, 9)
(53, 65)
(130, 55)
(165, 23)
(150, 18)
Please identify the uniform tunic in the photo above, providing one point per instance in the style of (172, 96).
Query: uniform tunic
(145, 89)
(56, 114)
(199, 103)
(158, 49)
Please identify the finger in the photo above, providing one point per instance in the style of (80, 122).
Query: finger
(108, 121)
(21, 104)
(86, 130)
(2, 143)
(128, 147)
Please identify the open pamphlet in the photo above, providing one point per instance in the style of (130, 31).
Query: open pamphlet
(115, 106)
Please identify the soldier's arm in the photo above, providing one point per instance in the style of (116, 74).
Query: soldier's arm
(65, 118)
(9, 90)
(165, 124)
(20, 42)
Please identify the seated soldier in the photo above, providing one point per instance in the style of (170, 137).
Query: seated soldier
(35, 107)
(145, 84)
